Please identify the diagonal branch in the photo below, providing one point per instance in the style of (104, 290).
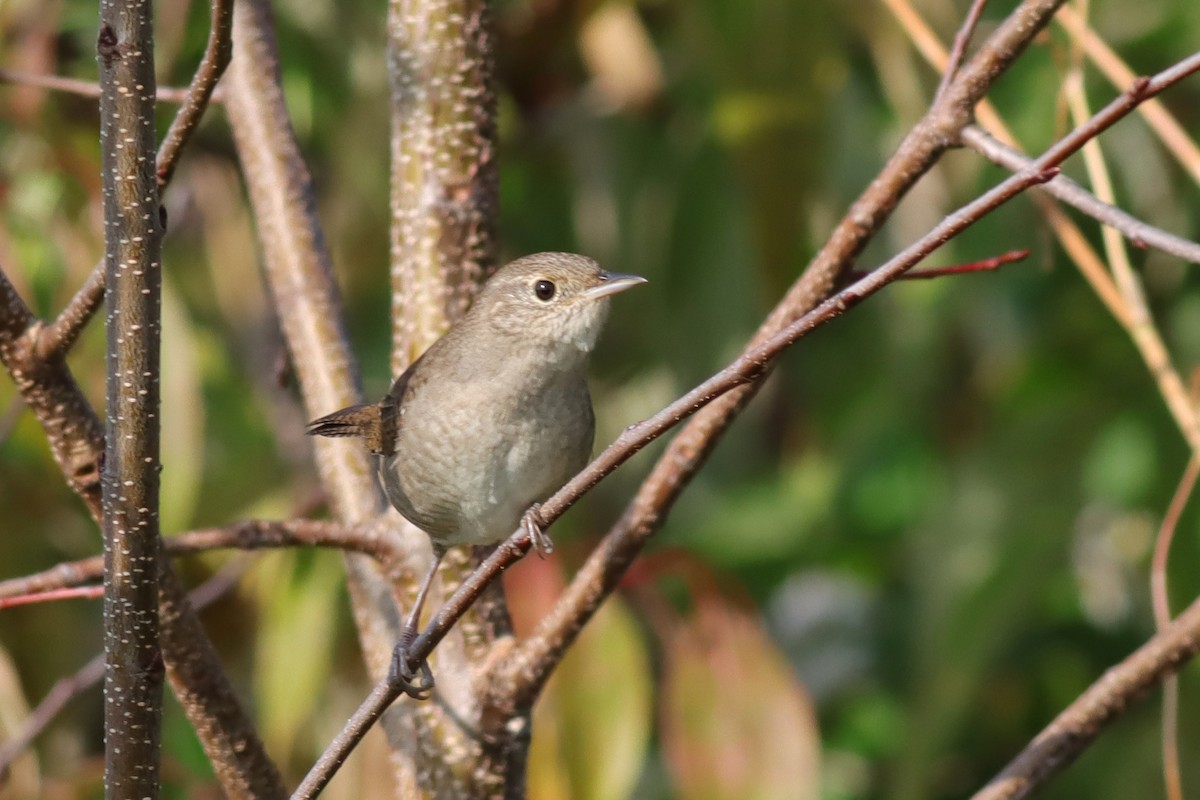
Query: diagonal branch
(1072, 731)
(57, 337)
(537, 656)
(1139, 233)
(516, 682)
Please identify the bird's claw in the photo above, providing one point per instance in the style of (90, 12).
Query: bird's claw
(532, 524)
(416, 683)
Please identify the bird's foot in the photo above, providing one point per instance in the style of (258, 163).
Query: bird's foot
(417, 683)
(531, 523)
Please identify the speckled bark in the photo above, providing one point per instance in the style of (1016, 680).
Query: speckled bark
(76, 438)
(444, 176)
(299, 273)
(444, 211)
(129, 480)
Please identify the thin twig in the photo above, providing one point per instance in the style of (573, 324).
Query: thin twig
(212, 66)
(1072, 731)
(1173, 135)
(959, 50)
(1140, 234)
(245, 535)
(57, 337)
(58, 83)
(965, 268)
(53, 595)
(67, 689)
(1139, 321)
(1160, 599)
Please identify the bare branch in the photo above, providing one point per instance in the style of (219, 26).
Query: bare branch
(67, 689)
(1139, 233)
(522, 673)
(299, 273)
(1092, 712)
(959, 49)
(57, 337)
(90, 89)
(685, 455)
(49, 389)
(253, 534)
(445, 181)
(212, 66)
(1160, 599)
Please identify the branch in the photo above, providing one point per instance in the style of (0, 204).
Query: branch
(444, 203)
(299, 274)
(518, 680)
(57, 337)
(217, 53)
(72, 428)
(58, 83)
(1173, 135)
(1103, 703)
(1140, 234)
(67, 689)
(959, 49)
(684, 456)
(133, 680)
(1160, 599)
(445, 183)
(251, 534)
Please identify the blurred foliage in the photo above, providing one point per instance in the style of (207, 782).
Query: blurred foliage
(927, 535)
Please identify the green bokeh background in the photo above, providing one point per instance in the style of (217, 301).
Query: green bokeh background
(940, 509)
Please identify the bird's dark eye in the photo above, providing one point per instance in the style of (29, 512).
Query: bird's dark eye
(545, 290)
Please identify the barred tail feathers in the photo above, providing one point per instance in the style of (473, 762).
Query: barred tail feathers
(361, 421)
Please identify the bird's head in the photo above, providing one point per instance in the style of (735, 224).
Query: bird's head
(557, 299)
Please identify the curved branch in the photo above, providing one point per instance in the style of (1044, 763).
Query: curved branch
(57, 337)
(1072, 731)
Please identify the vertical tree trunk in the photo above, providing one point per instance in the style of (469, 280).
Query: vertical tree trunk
(133, 280)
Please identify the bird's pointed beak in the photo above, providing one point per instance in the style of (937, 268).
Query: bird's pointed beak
(613, 282)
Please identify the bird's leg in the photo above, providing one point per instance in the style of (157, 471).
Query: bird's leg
(401, 672)
(531, 523)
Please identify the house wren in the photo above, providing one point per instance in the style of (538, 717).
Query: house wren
(494, 417)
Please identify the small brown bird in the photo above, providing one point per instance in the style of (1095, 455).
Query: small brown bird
(495, 416)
